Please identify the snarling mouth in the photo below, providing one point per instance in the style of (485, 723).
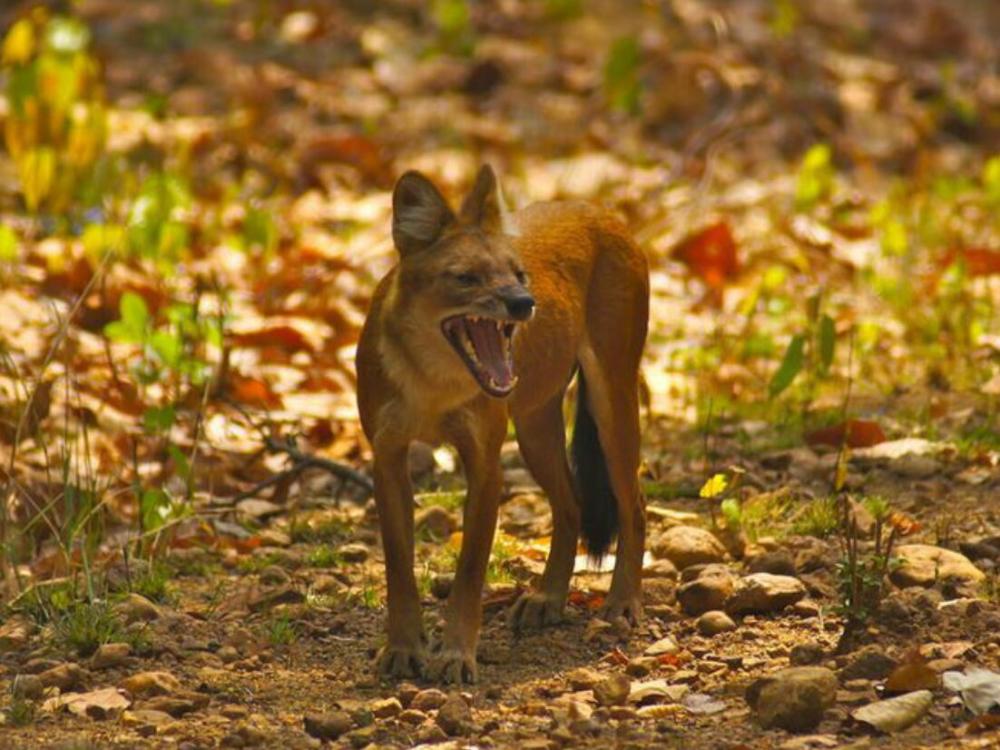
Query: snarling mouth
(484, 344)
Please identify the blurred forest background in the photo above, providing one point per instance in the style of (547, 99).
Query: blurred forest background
(195, 207)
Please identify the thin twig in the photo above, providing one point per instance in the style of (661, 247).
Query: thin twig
(302, 460)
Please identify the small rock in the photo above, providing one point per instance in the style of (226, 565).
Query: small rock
(583, 678)
(355, 552)
(428, 700)
(804, 654)
(598, 629)
(764, 592)
(256, 508)
(868, 663)
(689, 545)
(777, 562)
(794, 698)
(266, 600)
(663, 646)
(661, 568)
(245, 735)
(895, 714)
(435, 521)
(714, 622)
(110, 655)
(274, 538)
(137, 608)
(146, 684)
(15, 633)
(925, 565)
(145, 718)
(328, 726)
(275, 575)
(613, 690)
(386, 708)
(228, 654)
(177, 705)
(431, 734)
(64, 676)
(454, 716)
(100, 704)
(406, 692)
(914, 466)
(640, 666)
(27, 686)
(708, 591)
(412, 716)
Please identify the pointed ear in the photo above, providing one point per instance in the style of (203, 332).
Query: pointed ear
(419, 213)
(484, 205)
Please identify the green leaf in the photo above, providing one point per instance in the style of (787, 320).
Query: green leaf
(181, 462)
(154, 509)
(790, 366)
(8, 244)
(815, 180)
(827, 342)
(134, 320)
(991, 181)
(732, 512)
(159, 418)
(621, 75)
(168, 347)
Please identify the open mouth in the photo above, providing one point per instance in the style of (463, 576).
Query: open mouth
(484, 344)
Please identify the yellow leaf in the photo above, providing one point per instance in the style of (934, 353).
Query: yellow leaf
(713, 487)
(841, 476)
(19, 45)
(37, 169)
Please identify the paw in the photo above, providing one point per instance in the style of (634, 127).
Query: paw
(534, 610)
(627, 607)
(396, 662)
(453, 666)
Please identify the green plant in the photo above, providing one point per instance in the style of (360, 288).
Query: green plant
(153, 583)
(281, 631)
(819, 518)
(324, 556)
(21, 711)
(86, 625)
(56, 127)
(622, 86)
(865, 562)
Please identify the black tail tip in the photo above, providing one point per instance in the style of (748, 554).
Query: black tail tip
(598, 510)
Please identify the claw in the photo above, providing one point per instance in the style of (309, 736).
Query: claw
(628, 607)
(535, 610)
(453, 666)
(396, 662)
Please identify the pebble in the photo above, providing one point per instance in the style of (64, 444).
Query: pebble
(613, 690)
(715, 622)
(430, 699)
(137, 608)
(794, 698)
(110, 655)
(454, 717)
(689, 545)
(328, 726)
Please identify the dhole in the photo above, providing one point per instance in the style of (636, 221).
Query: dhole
(488, 316)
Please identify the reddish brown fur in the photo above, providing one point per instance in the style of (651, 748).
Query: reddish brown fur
(590, 284)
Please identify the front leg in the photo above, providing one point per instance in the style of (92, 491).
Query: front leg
(478, 436)
(403, 656)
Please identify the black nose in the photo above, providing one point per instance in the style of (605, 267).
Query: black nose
(518, 302)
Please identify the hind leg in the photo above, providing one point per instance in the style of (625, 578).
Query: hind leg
(614, 402)
(542, 438)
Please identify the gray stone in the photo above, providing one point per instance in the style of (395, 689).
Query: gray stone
(764, 592)
(689, 545)
(793, 699)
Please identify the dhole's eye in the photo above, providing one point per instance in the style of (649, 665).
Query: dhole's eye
(467, 279)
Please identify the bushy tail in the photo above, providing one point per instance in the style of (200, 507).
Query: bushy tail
(599, 511)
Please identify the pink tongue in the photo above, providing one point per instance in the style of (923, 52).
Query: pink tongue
(486, 341)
